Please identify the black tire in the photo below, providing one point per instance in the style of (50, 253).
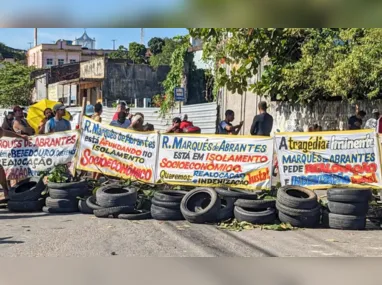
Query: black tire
(83, 184)
(67, 193)
(170, 196)
(61, 203)
(168, 205)
(349, 195)
(84, 208)
(115, 195)
(201, 205)
(226, 209)
(165, 214)
(59, 210)
(29, 189)
(137, 215)
(92, 203)
(26, 206)
(300, 221)
(353, 209)
(113, 211)
(238, 194)
(298, 212)
(297, 197)
(259, 217)
(255, 204)
(344, 222)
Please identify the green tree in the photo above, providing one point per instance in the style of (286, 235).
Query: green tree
(164, 58)
(303, 65)
(120, 53)
(8, 52)
(156, 45)
(137, 52)
(15, 84)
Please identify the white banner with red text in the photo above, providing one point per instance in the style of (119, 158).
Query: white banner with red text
(117, 152)
(212, 160)
(21, 159)
(322, 160)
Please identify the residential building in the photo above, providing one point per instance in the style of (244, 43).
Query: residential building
(64, 52)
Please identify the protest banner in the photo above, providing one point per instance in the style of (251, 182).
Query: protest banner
(325, 159)
(232, 161)
(22, 159)
(117, 152)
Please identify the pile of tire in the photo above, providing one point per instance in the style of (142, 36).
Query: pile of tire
(116, 201)
(298, 206)
(247, 208)
(347, 209)
(63, 197)
(26, 196)
(165, 205)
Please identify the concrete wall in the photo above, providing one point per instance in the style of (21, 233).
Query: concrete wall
(127, 82)
(287, 116)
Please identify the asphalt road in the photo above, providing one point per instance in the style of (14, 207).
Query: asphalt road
(78, 235)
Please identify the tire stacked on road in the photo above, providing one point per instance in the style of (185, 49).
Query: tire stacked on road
(347, 209)
(201, 205)
(228, 198)
(113, 200)
(298, 206)
(26, 196)
(255, 211)
(63, 197)
(165, 205)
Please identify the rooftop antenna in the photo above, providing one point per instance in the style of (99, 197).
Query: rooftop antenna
(142, 36)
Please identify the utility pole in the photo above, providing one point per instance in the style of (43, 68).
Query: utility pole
(35, 37)
(113, 44)
(30, 45)
(142, 36)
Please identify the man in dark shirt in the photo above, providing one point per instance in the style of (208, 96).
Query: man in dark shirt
(355, 122)
(263, 122)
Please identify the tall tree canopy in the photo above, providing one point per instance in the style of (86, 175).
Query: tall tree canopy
(156, 45)
(15, 84)
(164, 57)
(303, 65)
(137, 52)
(120, 53)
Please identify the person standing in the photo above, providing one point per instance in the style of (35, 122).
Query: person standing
(8, 122)
(48, 114)
(226, 128)
(121, 122)
(175, 127)
(97, 113)
(89, 110)
(57, 123)
(20, 125)
(372, 123)
(355, 122)
(263, 122)
(137, 122)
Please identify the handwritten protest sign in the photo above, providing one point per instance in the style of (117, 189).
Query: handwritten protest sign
(22, 159)
(237, 162)
(117, 152)
(323, 159)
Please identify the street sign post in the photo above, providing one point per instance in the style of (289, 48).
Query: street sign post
(179, 96)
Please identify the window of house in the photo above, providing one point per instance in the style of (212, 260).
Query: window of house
(49, 61)
(60, 62)
(73, 61)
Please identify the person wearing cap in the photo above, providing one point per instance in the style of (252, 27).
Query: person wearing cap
(372, 123)
(20, 125)
(89, 110)
(57, 123)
